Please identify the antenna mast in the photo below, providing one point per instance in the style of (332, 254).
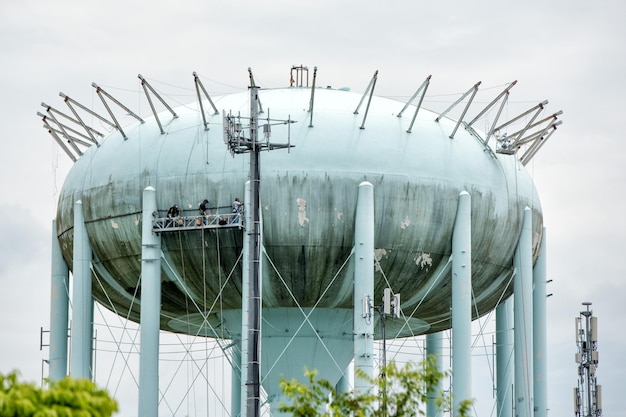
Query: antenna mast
(238, 143)
(588, 394)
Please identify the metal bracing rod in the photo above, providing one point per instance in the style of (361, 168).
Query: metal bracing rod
(495, 121)
(59, 141)
(531, 137)
(69, 129)
(199, 84)
(426, 83)
(100, 93)
(474, 88)
(69, 138)
(369, 100)
(156, 117)
(108, 109)
(253, 84)
(408, 103)
(493, 102)
(51, 110)
(312, 96)
(469, 102)
(537, 123)
(537, 145)
(369, 86)
(100, 90)
(69, 100)
(195, 81)
(145, 83)
(72, 138)
(80, 121)
(530, 122)
(513, 120)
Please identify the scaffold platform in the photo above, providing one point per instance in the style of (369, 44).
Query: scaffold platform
(209, 221)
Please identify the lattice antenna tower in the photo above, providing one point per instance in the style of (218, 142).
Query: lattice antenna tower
(588, 394)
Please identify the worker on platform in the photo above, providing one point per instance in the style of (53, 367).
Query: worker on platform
(237, 210)
(204, 212)
(173, 213)
(203, 208)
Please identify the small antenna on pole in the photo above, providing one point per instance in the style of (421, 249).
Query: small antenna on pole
(588, 394)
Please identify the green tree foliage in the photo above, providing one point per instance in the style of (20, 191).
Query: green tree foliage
(66, 398)
(402, 392)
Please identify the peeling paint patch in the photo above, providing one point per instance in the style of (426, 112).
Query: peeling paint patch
(302, 218)
(339, 214)
(378, 255)
(424, 261)
(114, 224)
(405, 223)
(137, 220)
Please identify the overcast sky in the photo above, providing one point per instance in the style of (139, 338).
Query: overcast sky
(569, 52)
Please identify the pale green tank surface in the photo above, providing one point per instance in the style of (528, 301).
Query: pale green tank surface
(308, 198)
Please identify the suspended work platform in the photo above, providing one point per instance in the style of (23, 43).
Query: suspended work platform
(209, 221)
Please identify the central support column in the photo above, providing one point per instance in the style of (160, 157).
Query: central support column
(523, 319)
(364, 287)
(59, 307)
(462, 303)
(150, 309)
(82, 301)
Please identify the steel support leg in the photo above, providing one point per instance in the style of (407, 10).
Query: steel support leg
(150, 309)
(540, 361)
(235, 400)
(462, 303)
(364, 288)
(523, 319)
(434, 348)
(82, 301)
(504, 358)
(59, 307)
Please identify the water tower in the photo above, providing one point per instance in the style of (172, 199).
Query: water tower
(358, 196)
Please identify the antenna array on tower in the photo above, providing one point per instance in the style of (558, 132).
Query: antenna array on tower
(588, 394)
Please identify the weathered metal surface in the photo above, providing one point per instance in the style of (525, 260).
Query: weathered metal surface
(308, 198)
